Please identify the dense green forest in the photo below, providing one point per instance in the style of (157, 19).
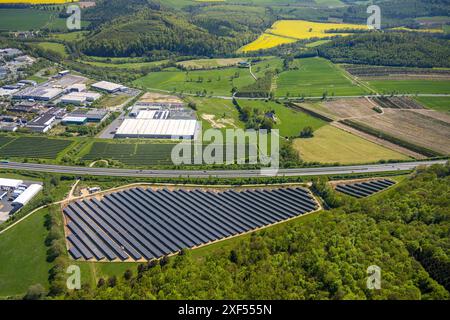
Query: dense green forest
(154, 29)
(121, 28)
(389, 49)
(404, 232)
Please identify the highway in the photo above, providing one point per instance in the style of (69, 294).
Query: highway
(375, 168)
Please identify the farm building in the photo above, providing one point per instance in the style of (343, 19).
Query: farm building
(158, 129)
(109, 87)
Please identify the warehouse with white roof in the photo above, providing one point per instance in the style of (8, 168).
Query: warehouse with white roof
(158, 129)
(107, 86)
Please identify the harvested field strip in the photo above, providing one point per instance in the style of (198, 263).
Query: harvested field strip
(411, 130)
(349, 108)
(37, 148)
(397, 103)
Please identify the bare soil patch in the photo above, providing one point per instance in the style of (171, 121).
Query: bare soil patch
(432, 132)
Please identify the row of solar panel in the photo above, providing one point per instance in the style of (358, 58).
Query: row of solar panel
(364, 189)
(147, 224)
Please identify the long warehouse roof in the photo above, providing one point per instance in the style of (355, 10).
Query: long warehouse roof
(156, 127)
(28, 194)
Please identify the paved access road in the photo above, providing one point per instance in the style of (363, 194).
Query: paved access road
(375, 168)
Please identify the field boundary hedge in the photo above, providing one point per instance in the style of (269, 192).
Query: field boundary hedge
(308, 111)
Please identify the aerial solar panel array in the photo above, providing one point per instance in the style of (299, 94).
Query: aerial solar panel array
(364, 189)
(144, 224)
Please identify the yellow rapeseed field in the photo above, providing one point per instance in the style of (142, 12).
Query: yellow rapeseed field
(288, 31)
(265, 41)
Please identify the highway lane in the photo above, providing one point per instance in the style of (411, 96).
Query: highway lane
(374, 168)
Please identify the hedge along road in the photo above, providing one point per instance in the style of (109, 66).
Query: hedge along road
(374, 168)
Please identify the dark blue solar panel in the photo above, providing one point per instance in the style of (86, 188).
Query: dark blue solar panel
(146, 224)
(75, 253)
(364, 189)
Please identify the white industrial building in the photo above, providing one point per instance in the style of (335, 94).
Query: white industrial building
(27, 195)
(153, 114)
(158, 129)
(80, 98)
(38, 94)
(9, 184)
(109, 87)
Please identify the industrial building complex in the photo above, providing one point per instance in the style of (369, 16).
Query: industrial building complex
(157, 116)
(41, 107)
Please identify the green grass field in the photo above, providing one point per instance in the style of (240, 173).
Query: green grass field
(54, 46)
(411, 86)
(33, 147)
(315, 77)
(332, 145)
(30, 19)
(23, 256)
(218, 82)
(23, 259)
(441, 104)
(215, 82)
(290, 122)
(69, 36)
(217, 113)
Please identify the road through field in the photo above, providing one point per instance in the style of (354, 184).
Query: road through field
(374, 168)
